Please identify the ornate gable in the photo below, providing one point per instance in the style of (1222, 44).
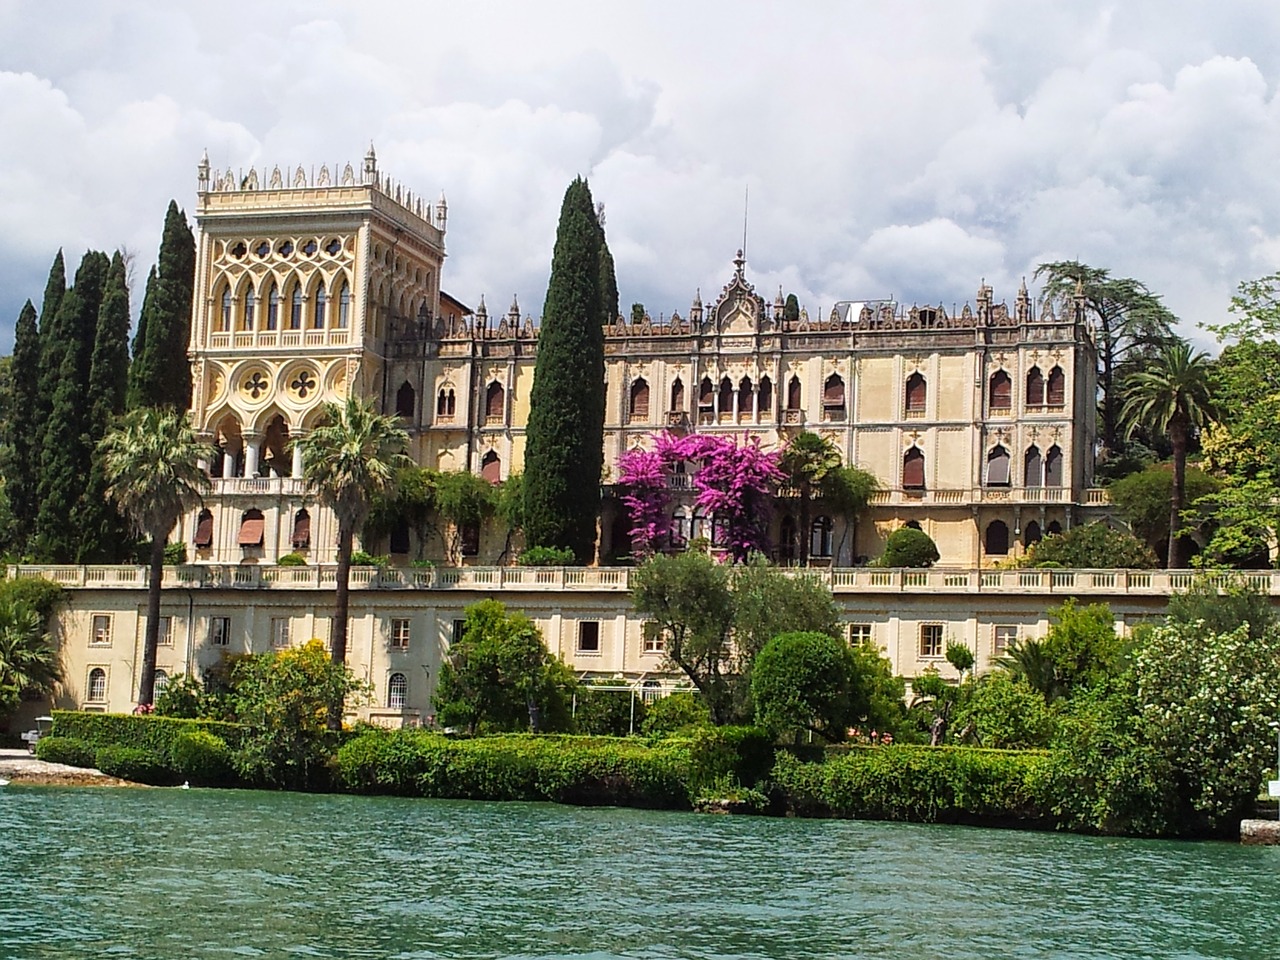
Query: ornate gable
(738, 309)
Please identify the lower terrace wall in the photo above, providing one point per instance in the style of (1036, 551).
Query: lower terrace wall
(402, 620)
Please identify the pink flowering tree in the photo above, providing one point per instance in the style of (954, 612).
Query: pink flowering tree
(642, 474)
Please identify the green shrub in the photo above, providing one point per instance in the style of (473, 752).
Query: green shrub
(37, 593)
(675, 713)
(923, 784)
(614, 713)
(547, 557)
(144, 732)
(909, 547)
(201, 758)
(137, 765)
(361, 559)
(294, 559)
(183, 696)
(69, 750)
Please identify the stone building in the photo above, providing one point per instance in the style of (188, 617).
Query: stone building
(979, 422)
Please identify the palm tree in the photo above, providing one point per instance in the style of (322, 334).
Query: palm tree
(1172, 395)
(152, 464)
(28, 661)
(351, 457)
(807, 461)
(1029, 661)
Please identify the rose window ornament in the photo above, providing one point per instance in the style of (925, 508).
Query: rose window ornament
(303, 384)
(256, 385)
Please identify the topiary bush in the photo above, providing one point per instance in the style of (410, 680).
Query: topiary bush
(361, 559)
(69, 750)
(202, 758)
(294, 559)
(909, 547)
(676, 713)
(547, 557)
(135, 764)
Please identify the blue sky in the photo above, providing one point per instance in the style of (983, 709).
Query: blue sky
(904, 149)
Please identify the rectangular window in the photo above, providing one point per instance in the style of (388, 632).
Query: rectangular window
(654, 640)
(589, 636)
(930, 640)
(219, 631)
(1006, 635)
(101, 633)
(279, 633)
(166, 631)
(859, 634)
(400, 633)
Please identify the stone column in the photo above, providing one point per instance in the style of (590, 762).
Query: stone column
(252, 446)
(296, 472)
(228, 464)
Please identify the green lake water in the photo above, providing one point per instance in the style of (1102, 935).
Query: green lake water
(202, 873)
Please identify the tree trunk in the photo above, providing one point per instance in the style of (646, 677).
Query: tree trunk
(806, 493)
(341, 602)
(151, 639)
(1177, 493)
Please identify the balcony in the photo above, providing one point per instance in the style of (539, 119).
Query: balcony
(258, 339)
(258, 486)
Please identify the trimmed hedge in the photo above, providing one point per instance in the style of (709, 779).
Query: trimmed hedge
(201, 758)
(69, 750)
(163, 749)
(593, 771)
(144, 731)
(922, 784)
(135, 764)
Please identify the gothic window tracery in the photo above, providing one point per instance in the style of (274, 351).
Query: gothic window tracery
(638, 409)
(1035, 388)
(295, 307)
(1000, 392)
(913, 469)
(1056, 392)
(917, 395)
(344, 306)
(273, 306)
(321, 305)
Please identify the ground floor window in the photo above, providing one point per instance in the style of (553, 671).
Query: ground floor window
(397, 691)
(859, 634)
(930, 640)
(1005, 636)
(97, 685)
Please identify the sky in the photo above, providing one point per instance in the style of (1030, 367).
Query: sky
(888, 149)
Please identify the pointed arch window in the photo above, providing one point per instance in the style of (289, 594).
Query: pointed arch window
(295, 308)
(913, 469)
(344, 306)
(764, 397)
(321, 307)
(301, 538)
(998, 467)
(638, 408)
(224, 315)
(446, 404)
(1053, 467)
(677, 396)
(250, 306)
(706, 394)
(1035, 388)
(1054, 529)
(1033, 468)
(726, 395)
(833, 398)
(273, 306)
(406, 401)
(746, 398)
(495, 399)
(917, 395)
(1031, 534)
(1000, 392)
(795, 394)
(491, 467)
(1056, 393)
(996, 541)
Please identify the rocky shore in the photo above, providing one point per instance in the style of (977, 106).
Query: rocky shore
(20, 767)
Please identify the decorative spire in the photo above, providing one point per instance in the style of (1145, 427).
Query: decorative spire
(202, 171)
(482, 310)
(738, 263)
(515, 308)
(371, 165)
(442, 212)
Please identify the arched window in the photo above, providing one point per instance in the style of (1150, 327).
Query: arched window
(397, 691)
(446, 403)
(301, 538)
(252, 528)
(833, 398)
(273, 306)
(914, 525)
(204, 530)
(998, 467)
(917, 395)
(1031, 534)
(399, 538)
(1056, 395)
(820, 540)
(677, 396)
(344, 306)
(1033, 468)
(788, 547)
(996, 542)
(1054, 529)
(699, 529)
(406, 401)
(706, 394)
(97, 685)
(680, 527)
(1053, 467)
(913, 469)
(224, 317)
(764, 397)
(1035, 388)
(1000, 392)
(250, 306)
(159, 681)
(295, 308)
(794, 394)
(495, 401)
(321, 304)
(726, 395)
(491, 467)
(639, 406)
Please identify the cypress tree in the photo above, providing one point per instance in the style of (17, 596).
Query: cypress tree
(103, 533)
(163, 374)
(134, 397)
(608, 286)
(66, 451)
(50, 357)
(22, 430)
(565, 453)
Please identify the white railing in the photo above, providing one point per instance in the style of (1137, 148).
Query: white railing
(258, 486)
(842, 580)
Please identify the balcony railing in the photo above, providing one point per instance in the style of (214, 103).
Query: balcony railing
(841, 580)
(1092, 497)
(259, 486)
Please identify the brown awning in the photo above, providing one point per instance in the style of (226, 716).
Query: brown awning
(251, 529)
(204, 531)
(302, 530)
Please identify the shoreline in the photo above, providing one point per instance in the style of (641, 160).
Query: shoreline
(21, 768)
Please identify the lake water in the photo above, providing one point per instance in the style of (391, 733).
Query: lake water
(203, 873)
